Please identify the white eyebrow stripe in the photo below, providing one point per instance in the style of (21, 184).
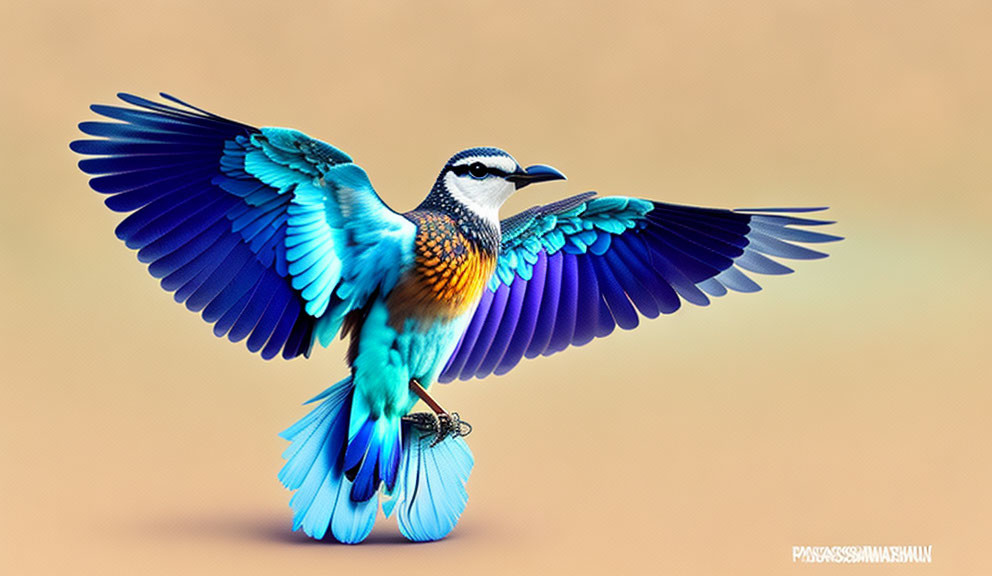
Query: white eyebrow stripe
(503, 163)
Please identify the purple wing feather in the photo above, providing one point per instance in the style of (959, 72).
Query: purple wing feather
(599, 263)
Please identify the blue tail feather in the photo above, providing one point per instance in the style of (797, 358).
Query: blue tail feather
(372, 457)
(314, 468)
(358, 447)
(427, 483)
(430, 491)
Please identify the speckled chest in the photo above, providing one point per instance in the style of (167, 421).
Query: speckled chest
(449, 273)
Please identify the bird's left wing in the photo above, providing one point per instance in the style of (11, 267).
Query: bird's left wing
(274, 236)
(572, 271)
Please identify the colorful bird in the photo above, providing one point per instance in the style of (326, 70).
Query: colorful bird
(280, 240)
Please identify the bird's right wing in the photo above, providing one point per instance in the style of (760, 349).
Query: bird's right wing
(574, 270)
(274, 236)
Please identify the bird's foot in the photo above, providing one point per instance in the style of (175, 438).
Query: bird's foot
(440, 426)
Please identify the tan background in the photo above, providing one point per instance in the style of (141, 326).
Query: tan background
(847, 404)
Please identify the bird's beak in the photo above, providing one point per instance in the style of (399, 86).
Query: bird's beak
(535, 173)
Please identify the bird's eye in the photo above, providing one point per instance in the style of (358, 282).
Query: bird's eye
(478, 170)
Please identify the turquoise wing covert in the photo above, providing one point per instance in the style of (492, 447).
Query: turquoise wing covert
(574, 270)
(271, 235)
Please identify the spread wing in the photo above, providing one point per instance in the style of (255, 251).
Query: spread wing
(574, 270)
(271, 235)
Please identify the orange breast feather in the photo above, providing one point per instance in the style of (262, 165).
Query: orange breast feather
(449, 271)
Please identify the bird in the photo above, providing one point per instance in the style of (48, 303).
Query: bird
(280, 240)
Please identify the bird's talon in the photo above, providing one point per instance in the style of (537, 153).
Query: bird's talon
(459, 427)
(451, 425)
(440, 426)
(422, 421)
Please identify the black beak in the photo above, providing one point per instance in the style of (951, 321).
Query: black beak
(535, 173)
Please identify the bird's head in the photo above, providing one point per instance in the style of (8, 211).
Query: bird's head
(481, 179)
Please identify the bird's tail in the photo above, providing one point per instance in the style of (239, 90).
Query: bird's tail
(314, 468)
(430, 491)
(426, 483)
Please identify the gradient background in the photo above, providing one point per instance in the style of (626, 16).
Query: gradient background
(846, 404)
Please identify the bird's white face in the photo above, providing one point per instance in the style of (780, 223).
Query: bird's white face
(480, 184)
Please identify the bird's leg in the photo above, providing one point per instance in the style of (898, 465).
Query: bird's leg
(442, 423)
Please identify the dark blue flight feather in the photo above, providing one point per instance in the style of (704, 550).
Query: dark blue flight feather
(164, 165)
(604, 262)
